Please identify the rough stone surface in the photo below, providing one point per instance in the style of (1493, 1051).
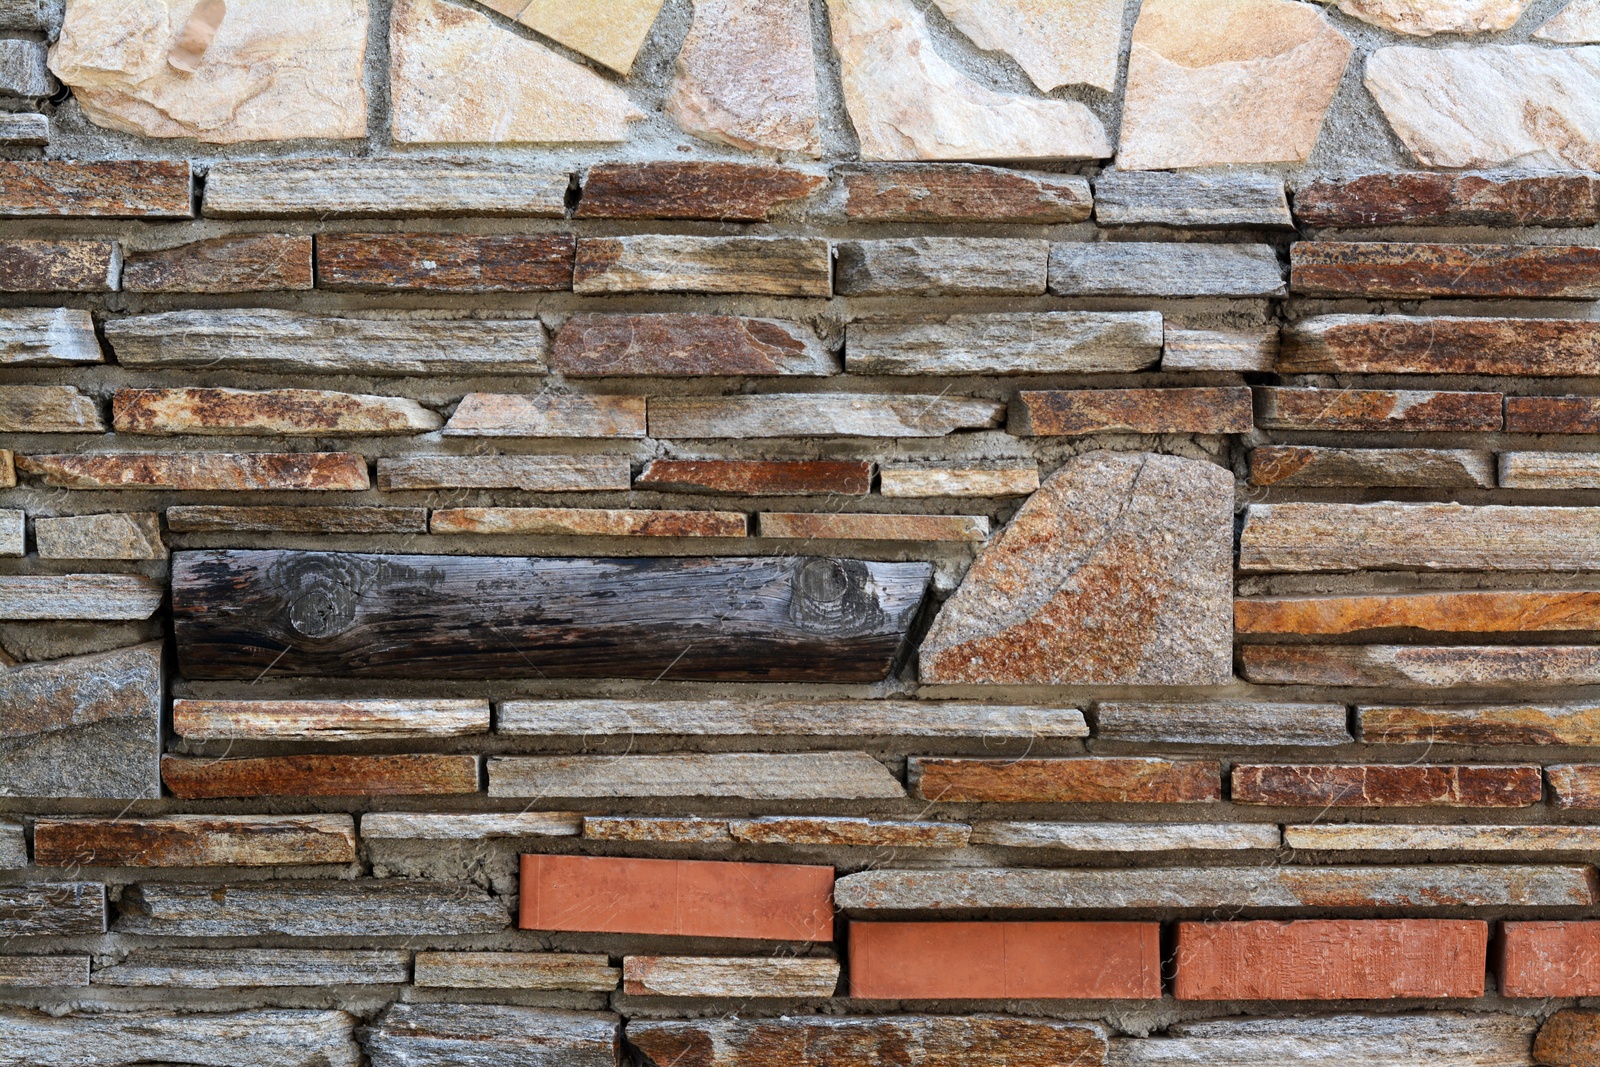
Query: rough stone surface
(24, 130)
(1403, 410)
(47, 337)
(263, 1038)
(88, 597)
(1552, 414)
(941, 266)
(252, 968)
(1507, 724)
(49, 409)
(406, 826)
(112, 536)
(1424, 18)
(13, 529)
(842, 830)
(195, 841)
(1222, 722)
(1191, 201)
(652, 263)
(240, 264)
(1076, 412)
(271, 412)
(1098, 780)
(445, 262)
(901, 483)
(588, 522)
(37, 265)
(810, 525)
(1363, 837)
(781, 776)
(381, 188)
(1077, 43)
(737, 718)
(686, 345)
(264, 78)
(23, 70)
(43, 972)
(1052, 342)
(13, 845)
(1381, 786)
(1312, 466)
(388, 907)
(1571, 1038)
(1450, 199)
(51, 909)
(1394, 344)
(124, 188)
(1549, 470)
(757, 477)
(1410, 667)
(547, 415)
(729, 976)
(1575, 785)
(1237, 350)
(1126, 836)
(1078, 589)
(304, 471)
(516, 970)
(1155, 268)
(723, 192)
(299, 518)
(1577, 23)
(320, 776)
(1497, 611)
(611, 32)
(480, 1035)
(1409, 270)
(1386, 1040)
(962, 192)
(533, 474)
(820, 415)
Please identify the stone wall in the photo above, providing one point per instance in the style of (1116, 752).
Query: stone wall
(753, 531)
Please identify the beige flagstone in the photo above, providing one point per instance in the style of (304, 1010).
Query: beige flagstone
(1424, 18)
(1577, 23)
(1057, 42)
(608, 31)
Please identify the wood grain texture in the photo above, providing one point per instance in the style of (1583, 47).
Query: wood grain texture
(195, 841)
(327, 720)
(387, 907)
(1450, 200)
(445, 262)
(243, 263)
(963, 192)
(1410, 666)
(1438, 344)
(771, 266)
(1506, 724)
(685, 345)
(117, 188)
(1076, 412)
(1368, 785)
(692, 189)
(1489, 611)
(1097, 780)
(1402, 410)
(1391, 270)
(320, 776)
(381, 188)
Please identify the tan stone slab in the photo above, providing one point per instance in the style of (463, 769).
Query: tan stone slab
(661, 829)
(819, 415)
(255, 968)
(114, 536)
(1359, 837)
(963, 192)
(1127, 836)
(483, 1035)
(1222, 722)
(1406, 666)
(303, 471)
(297, 518)
(1052, 342)
(990, 482)
(1507, 724)
(1076, 43)
(804, 525)
(1076, 412)
(327, 720)
(8, 468)
(243, 263)
(775, 776)
(195, 841)
(742, 718)
(547, 415)
(47, 337)
(1549, 470)
(729, 976)
(1078, 780)
(49, 409)
(382, 188)
(609, 31)
(942, 266)
(534, 474)
(85, 597)
(406, 826)
(841, 830)
(545, 971)
(1489, 611)
(271, 412)
(650, 263)
(1424, 18)
(43, 972)
(1423, 468)
(1577, 23)
(589, 522)
(1235, 350)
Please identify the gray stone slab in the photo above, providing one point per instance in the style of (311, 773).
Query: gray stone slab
(13, 845)
(1047, 342)
(409, 826)
(1127, 836)
(531, 474)
(52, 909)
(13, 527)
(251, 968)
(381, 908)
(516, 970)
(1222, 722)
(1231, 350)
(942, 266)
(273, 1038)
(129, 536)
(739, 718)
(491, 1035)
(1143, 268)
(90, 597)
(819, 415)
(1196, 201)
(47, 337)
(775, 776)
(23, 71)
(24, 129)
(382, 188)
(1408, 1040)
(44, 972)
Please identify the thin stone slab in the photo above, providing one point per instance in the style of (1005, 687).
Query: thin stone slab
(47, 337)
(729, 976)
(963, 482)
(1486, 611)
(531, 474)
(444, 262)
(663, 830)
(649, 263)
(483, 1035)
(1440, 344)
(1347, 537)
(780, 776)
(195, 841)
(133, 536)
(1397, 410)
(266, 339)
(679, 344)
(547, 415)
(1553, 414)
(1301, 466)
(1423, 887)
(13, 845)
(406, 826)
(44, 972)
(269, 412)
(1147, 268)
(1384, 837)
(1127, 836)
(201, 471)
(810, 526)
(267, 1038)
(1080, 780)
(758, 477)
(255, 968)
(24, 130)
(1077, 412)
(692, 189)
(819, 415)
(86, 597)
(49, 409)
(388, 907)
(402, 188)
(942, 266)
(1411, 1040)
(1222, 722)
(1549, 470)
(240, 263)
(1395, 270)
(1191, 201)
(588, 522)
(1507, 724)
(52, 909)
(1050, 342)
(87, 726)
(38, 265)
(13, 531)
(1372, 786)
(1450, 199)
(841, 830)
(962, 192)
(298, 518)
(321, 775)
(543, 971)
(1231, 350)
(737, 718)
(1407, 666)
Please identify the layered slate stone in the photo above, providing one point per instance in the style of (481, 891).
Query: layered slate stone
(1486, 611)
(962, 192)
(110, 536)
(1436, 344)
(102, 597)
(651, 263)
(1450, 199)
(1553, 414)
(123, 188)
(52, 909)
(751, 776)
(263, 78)
(589, 522)
(261, 1038)
(254, 968)
(1049, 342)
(1081, 588)
(1191, 201)
(270, 412)
(1386, 1040)
(445, 262)
(244, 263)
(1156, 268)
(1549, 470)
(729, 976)
(1385, 786)
(321, 775)
(239, 471)
(668, 189)
(88, 726)
(907, 102)
(941, 266)
(843, 830)
(195, 841)
(1201, 74)
(1377, 837)
(958, 481)
(532, 474)
(43, 265)
(1404, 410)
(44, 972)
(327, 720)
(1221, 722)
(1237, 350)
(1309, 465)
(1056, 44)
(811, 525)
(793, 718)
(381, 188)
(1127, 836)
(515, 970)
(47, 337)
(686, 344)
(757, 477)
(1098, 780)
(1076, 412)
(819, 415)
(1507, 724)
(1575, 785)
(1404, 270)
(49, 409)
(410, 826)
(547, 415)
(1412, 667)
(387, 907)
(298, 518)
(481, 1035)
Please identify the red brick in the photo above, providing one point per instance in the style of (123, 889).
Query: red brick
(693, 898)
(1549, 959)
(1005, 960)
(320, 776)
(445, 262)
(118, 188)
(1384, 786)
(1332, 959)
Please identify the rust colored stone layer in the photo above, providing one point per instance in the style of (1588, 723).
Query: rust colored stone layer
(47, 266)
(1410, 411)
(1059, 413)
(285, 412)
(298, 518)
(1415, 344)
(589, 522)
(445, 262)
(304, 471)
(1490, 611)
(120, 188)
(320, 776)
(1510, 724)
(1571, 1038)
(1307, 465)
(1550, 959)
(1450, 200)
(758, 477)
(963, 192)
(1394, 270)
(1553, 414)
(1385, 786)
(1575, 785)
(722, 192)
(1005, 960)
(810, 525)
(242, 264)
(685, 345)
(1331, 959)
(1099, 780)
(843, 830)
(195, 841)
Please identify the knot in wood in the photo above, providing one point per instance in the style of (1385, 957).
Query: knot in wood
(321, 592)
(834, 596)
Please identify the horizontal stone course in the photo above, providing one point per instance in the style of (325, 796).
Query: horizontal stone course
(1440, 344)
(729, 976)
(123, 188)
(1509, 724)
(1126, 837)
(236, 471)
(751, 776)
(1388, 270)
(941, 266)
(547, 415)
(322, 776)
(44, 972)
(819, 415)
(1191, 201)
(1045, 342)
(243, 263)
(470, 1035)
(195, 841)
(532, 474)
(803, 525)
(686, 345)
(381, 188)
(273, 1037)
(1153, 269)
(445, 263)
(1372, 1040)
(755, 477)
(1389, 837)
(386, 907)
(1387, 786)
(49, 409)
(515, 970)
(1065, 413)
(327, 720)
(1397, 410)
(588, 522)
(772, 266)
(254, 968)
(1449, 200)
(1221, 722)
(299, 518)
(1312, 466)
(42, 265)
(1552, 414)
(270, 412)
(818, 718)
(48, 337)
(1099, 780)
(691, 189)
(963, 192)
(52, 909)
(1488, 611)
(1452, 666)
(1231, 350)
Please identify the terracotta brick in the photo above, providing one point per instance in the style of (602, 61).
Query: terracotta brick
(48, 266)
(963, 192)
(1098, 780)
(1570, 1038)
(758, 477)
(1450, 199)
(1005, 960)
(1549, 959)
(445, 262)
(1552, 414)
(1382, 270)
(245, 263)
(1383, 786)
(806, 525)
(118, 188)
(320, 776)
(1060, 413)
(694, 898)
(1331, 959)
(722, 192)
(1407, 410)
(1576, 785)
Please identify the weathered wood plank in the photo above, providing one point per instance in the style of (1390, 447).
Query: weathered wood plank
(1396, 410)
(765, 776)
(692, 189)
(1383, 837)
(942, 266)
(490, 1035)
(547, 415)
(1462, 1040)
(255, 968)
(1092, 780)
(842, 830)
(1438, 344)
(285, 341)
(1450, 200)
(268, 412)
(195, 841)
(1426, 468)
(757, 477)
(239, 614)
(381, 188)
(1508, 724)
(52, 909)
(1414, 785)
(297, 518)
(114, 188)
(729, 976)
(386, 907)
(589, 522)
(430, 774)
(242, 263)
(1222, 722)
(1127, 836)
(963, 192)
(1411, 666)
(43, 972)
(1426, 537)
(1140, 268)
(819, 415)
(647, 263)
(445, 262)
(1049, 342)
(270, 1038)
(516, 970)
(822, 526)
(327, 720)
(1489, 611)
(1393, 270)
(88, 597)
(1075, 412)
(1191, 201)
(1236, 350)
(47, 337)
(408, 826)
(737, 718)
(685, 345)
(201, 471)
(531, 474)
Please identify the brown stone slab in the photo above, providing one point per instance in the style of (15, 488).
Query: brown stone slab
(691, 189)
(1306, 466)
(730, 976)
(195, 841)
(49, 409)
(320, 776)
(270, 412)
(686, 345)
(119, 188)
(589, 522)
(1384, 786)
(8, 468)
(1570, 1038)
(757, 477)
(963, 192)
(112, 536)
(1384, 270)
(1549, 470)
(1549, 959)
(52, 909)
(1509, 724)
(1575, 785)
(1489, 611)
(1450, 200)
(773, 266)
(810, 525)
(1553, 414)
(515, 970)
(841, 830)
(445, 262)
(1437, 344)
(44, 972)
(327, 720)
(50, 266)
(547, 415)
(1417, 667)
(655, 828)
(1098, 780)
(298, 518)
(531, 474)
(1060, 413)
(232, 471)
(819, 415)
(1404, 410)
(245, 263)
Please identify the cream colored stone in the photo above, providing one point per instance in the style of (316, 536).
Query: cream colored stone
(1424, 18)
(907, 102)
(1492, 105)
(747, 76)
(1228, 81)
(1058, 42)
(276, 69)
(608, 31)
(1578, 23)
(456, 77)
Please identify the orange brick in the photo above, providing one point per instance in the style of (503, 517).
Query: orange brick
(694, 898)
(1004, 960)
(1332, 959)
(1549, 959)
